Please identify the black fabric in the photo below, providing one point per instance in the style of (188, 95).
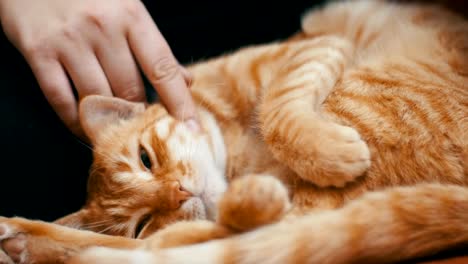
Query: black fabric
(43, 167)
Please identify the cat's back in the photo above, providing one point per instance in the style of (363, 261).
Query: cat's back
(407, 94)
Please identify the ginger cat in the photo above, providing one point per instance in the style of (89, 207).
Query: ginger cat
(344, 144)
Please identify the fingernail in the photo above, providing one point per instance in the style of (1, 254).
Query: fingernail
(193, 125)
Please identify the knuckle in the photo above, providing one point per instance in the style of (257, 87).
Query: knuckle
(133, 8)
(164, 69)
(33, 48)
(37, 46)
(56, 98)
(54, 93)
(97, 19)
(132, 92)
(70, 33)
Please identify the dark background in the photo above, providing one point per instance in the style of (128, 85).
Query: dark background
(43, 168)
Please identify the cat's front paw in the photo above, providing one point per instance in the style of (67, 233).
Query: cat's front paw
(325, 153)
(253, 201)
(343, 155)
(13, 241)
(340, 156)
(24, 241)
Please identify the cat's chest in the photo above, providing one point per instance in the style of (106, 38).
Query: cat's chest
(246, 152)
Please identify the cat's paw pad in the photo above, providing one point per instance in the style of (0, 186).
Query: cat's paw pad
(13, 243)
(15, 248)
(253, 201)
(4, 259)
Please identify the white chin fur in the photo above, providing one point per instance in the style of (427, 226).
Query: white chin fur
(196, 208)
(208, 163)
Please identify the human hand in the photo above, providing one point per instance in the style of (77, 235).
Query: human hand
(99, 45)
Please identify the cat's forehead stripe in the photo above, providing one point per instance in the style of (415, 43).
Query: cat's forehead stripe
(160, 148)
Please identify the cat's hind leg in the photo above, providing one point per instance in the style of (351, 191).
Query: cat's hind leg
(391, 226)
(318, 150)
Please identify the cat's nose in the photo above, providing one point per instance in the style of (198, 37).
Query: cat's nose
(179, 195)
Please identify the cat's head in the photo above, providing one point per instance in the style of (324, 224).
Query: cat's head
(149, 169)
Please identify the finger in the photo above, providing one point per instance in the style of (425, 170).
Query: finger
(58, 92)
(121, 69)
(160, 66)
(85, 71)
(188, 78)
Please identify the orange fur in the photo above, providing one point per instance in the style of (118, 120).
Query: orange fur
(362, 117)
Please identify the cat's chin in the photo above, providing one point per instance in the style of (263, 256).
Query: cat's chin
(202, 207)
(196, 208)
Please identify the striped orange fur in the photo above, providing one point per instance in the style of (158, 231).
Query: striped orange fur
(346, 143)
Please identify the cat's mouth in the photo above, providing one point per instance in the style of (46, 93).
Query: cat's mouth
(202, 204)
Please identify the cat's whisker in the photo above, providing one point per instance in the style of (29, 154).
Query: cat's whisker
(83, 143)
(103, 231)
(117, 227)
(94, 225)
(90, 148)
(99, 222)
(97, 225)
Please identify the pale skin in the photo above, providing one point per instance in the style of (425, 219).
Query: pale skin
(100, 45)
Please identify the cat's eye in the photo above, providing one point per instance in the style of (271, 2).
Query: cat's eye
(141, 224)
(145, 159)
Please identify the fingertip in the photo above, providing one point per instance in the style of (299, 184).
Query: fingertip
(193, 125)
(177, 98)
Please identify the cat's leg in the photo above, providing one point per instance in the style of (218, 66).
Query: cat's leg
(389, 226)
(317, 149)
(26, 241)
(186, 233)
(250, 202)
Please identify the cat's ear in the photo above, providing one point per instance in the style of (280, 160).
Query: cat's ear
(97, 112)
(74, 220)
